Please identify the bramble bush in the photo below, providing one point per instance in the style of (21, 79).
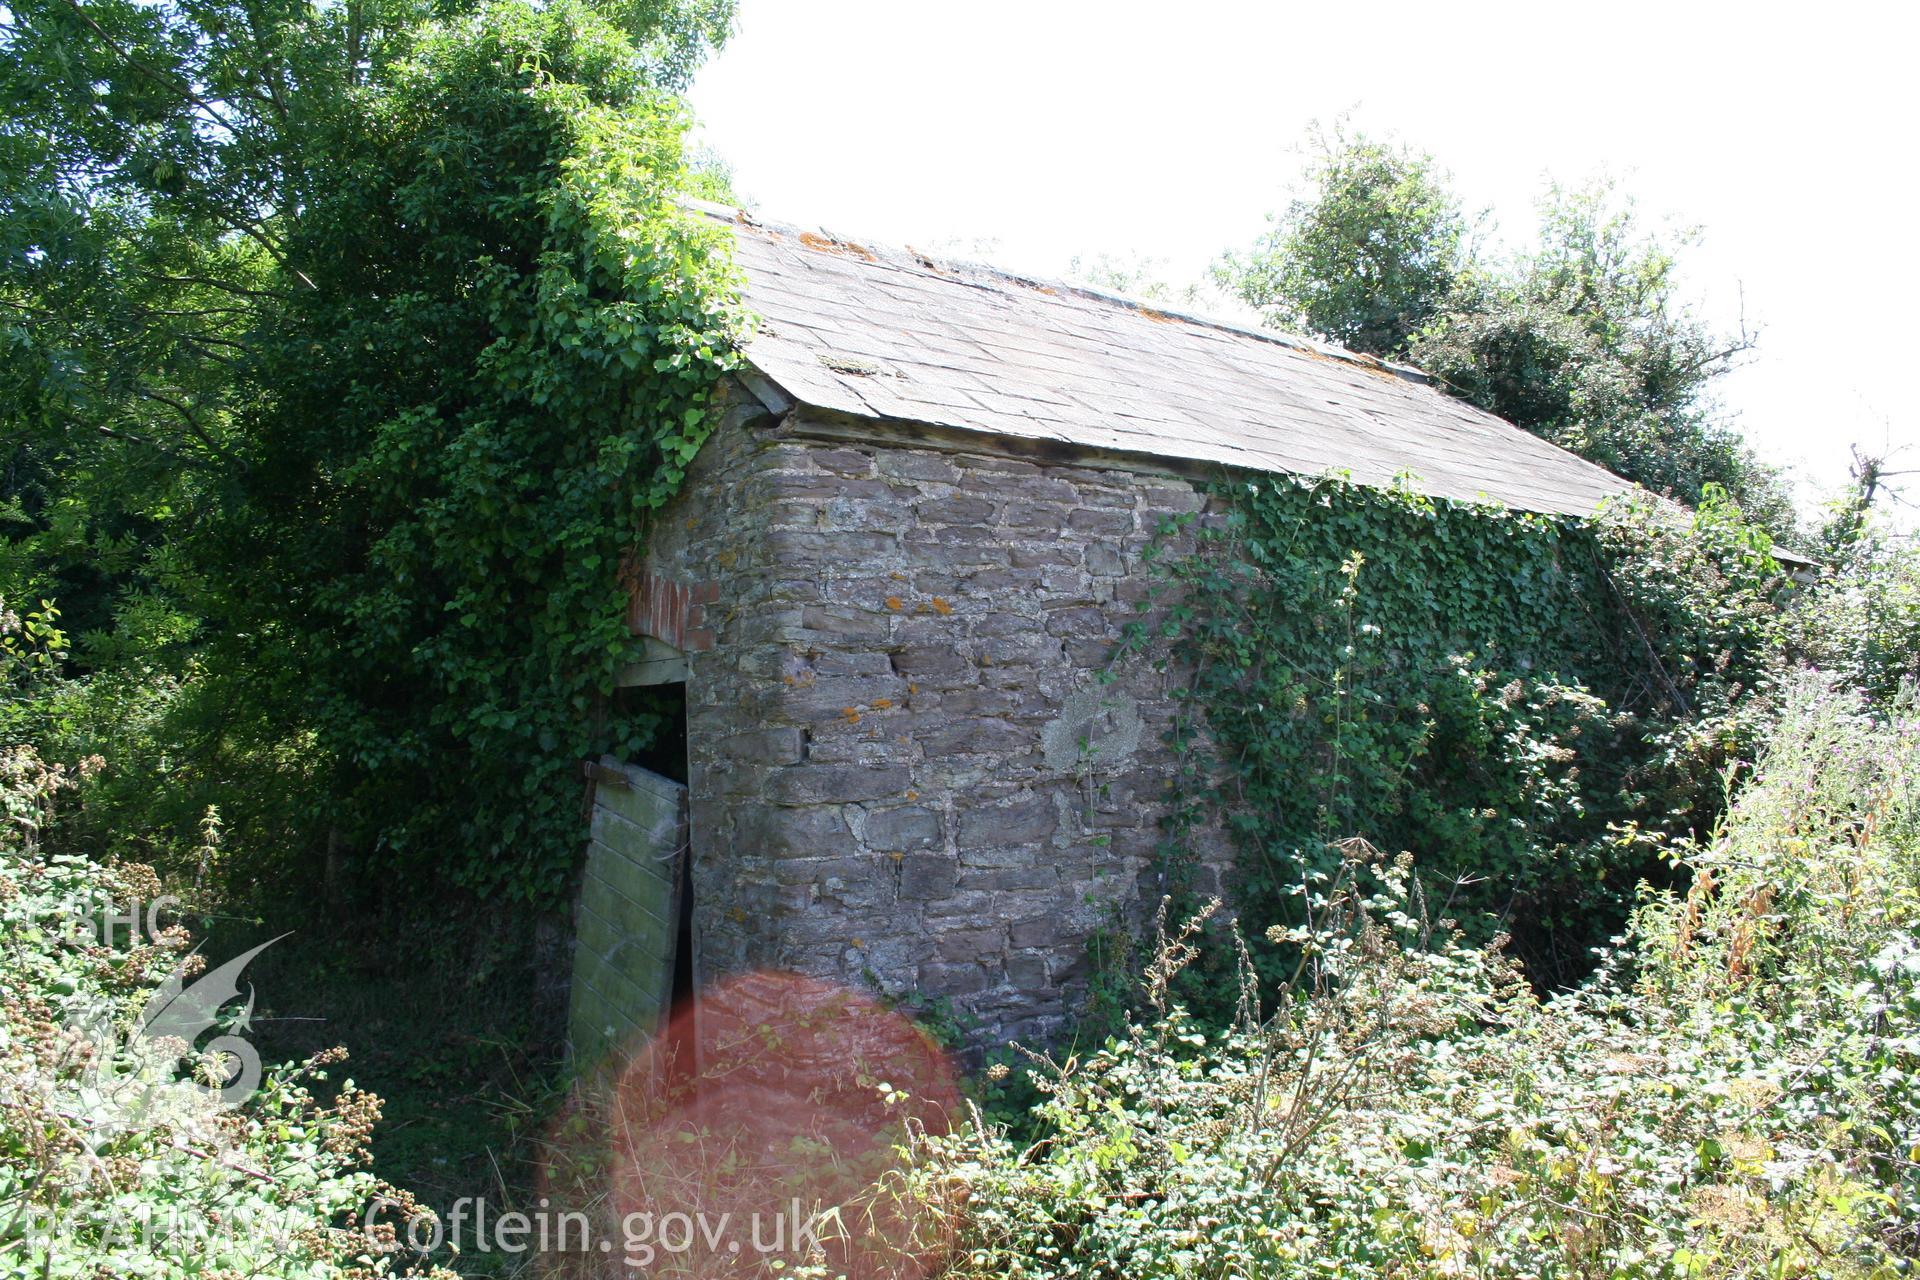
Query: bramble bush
(1732, 1092)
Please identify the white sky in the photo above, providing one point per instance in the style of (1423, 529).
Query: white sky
(1030, 132)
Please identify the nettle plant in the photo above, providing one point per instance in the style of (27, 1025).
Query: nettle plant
(1732, 1093)
(1532, 704)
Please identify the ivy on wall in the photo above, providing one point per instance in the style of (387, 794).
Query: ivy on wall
(1526, 703)
(364, 338)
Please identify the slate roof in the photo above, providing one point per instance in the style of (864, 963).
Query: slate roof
(894, 336)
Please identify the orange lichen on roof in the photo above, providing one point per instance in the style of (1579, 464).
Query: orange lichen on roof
(827, 244)
(1352, 360)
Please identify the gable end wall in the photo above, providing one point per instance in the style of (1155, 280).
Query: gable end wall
(890, 782)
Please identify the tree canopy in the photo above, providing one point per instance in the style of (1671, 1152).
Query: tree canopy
(1584, 336)
(349, 345)
(1368, 260)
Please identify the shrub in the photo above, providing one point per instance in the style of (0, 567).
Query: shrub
(1861, 622)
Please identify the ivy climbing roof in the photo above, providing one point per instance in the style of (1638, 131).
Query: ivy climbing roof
(868, 333)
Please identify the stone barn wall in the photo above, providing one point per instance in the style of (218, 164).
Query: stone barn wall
(893, 659)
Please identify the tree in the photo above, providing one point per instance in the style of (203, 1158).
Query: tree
(1584, 338)
(1137, 276)
(373, 330)
(1368, 259)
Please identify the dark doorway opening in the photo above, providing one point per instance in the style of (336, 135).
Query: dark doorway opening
(659, 712)
(683, 942)
(657, 715)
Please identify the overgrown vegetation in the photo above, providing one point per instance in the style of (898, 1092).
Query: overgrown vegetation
(1538, 703)
(349, 347)
(126, 1148)
(1864, 623)
(1731, 1094)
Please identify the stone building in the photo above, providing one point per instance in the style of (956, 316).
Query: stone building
(887, 591)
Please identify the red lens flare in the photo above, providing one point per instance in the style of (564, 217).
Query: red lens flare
(767, 1123)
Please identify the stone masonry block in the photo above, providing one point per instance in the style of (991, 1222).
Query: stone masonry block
(925, 877)
(838, 784)
(1022, 822)
(903, 829)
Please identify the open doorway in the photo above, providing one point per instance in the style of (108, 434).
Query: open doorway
(659, 712)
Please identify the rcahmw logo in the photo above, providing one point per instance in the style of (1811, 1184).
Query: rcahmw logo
(135, 1073)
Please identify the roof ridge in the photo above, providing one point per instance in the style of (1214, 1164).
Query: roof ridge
(910, 258)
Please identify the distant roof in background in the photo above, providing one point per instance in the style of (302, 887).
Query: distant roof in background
(895, 336)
